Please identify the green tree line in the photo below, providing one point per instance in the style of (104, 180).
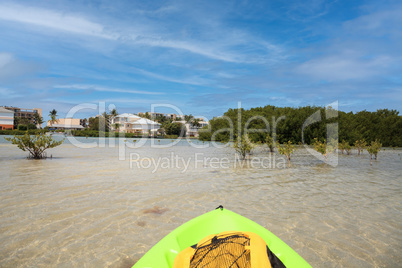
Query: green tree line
(286, 124)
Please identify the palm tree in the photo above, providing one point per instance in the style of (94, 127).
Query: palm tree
(196, 122)
(188, 118)
(112, 116)
(85, 122)
(116, 126)
(114, 113)
(38, 120)
(104, 122)
(53, 116)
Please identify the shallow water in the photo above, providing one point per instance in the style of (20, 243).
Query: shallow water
(100, 207)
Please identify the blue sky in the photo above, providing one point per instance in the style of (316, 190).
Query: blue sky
(201, 56)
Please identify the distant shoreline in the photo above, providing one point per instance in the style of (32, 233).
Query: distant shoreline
(89, 134)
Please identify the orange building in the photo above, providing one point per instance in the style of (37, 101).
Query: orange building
(66, 123)
(6, 119)
(23, 113)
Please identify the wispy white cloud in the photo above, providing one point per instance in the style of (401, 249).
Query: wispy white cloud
(206, 50)
(106, 100)
(13, 68)
(377, 23)
(5, 58)
(53, 19)
(6, 93)
(129, 100)
(163, 10)
(106, 89)
(307, 10)
(194, 80)
(343, 67)
(225, 48)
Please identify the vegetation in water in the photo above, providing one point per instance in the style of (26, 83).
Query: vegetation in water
(360, 145)
(373, 149)
(35, 145)
(345, 146)
(325, 148)
(243, 146)
(270, 143)
(287, 149)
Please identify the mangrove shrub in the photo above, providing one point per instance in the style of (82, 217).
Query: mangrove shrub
(243, 146)
(35, 144)
(360, 145)
(287, 149)
(373, 149)
(344, 146)
(325, 148)
(270, 142)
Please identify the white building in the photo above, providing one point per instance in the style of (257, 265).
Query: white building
(131, 123)
(6, 119)
(191, 129)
